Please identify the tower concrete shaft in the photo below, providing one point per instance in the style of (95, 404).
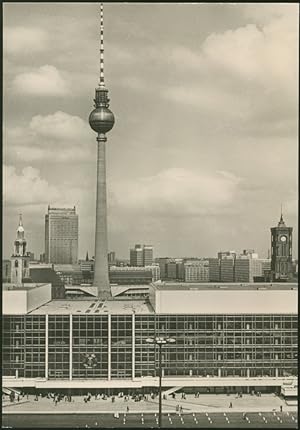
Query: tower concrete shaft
(101, 280)
(101, 120)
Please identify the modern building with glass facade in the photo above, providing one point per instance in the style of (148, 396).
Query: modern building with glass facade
(226, 337)
(61, 236)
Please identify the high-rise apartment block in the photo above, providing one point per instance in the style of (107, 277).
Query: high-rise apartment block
(247, 269)
(141, 255)
(214, 269)
(227, 269)
(196, 271)
(111, 258)
(233, 267)
(61, 236)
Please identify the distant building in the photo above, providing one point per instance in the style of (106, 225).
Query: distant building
(20, 258)
(227, 269)
(147, 255)
(133, 275)
(214, 270)
(141, 255)
(197, 271)
(111, 256)
(61, 236)
(171, 268)
(42, 274)
(281, 252)
(6, 270)
(31, 255)
(246, 269)
(70, 274)
(224, 254)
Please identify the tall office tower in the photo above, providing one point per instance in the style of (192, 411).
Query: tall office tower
(214, 270)
(141, 255)
(111, 258)
(147, 255)
(101, 120)
(136, 256)
(162, 262)
(61, 236)
(227, 269)
(20, 258)
(247, 269)
(281, 252)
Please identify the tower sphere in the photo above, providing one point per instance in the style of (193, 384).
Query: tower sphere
(101, 120)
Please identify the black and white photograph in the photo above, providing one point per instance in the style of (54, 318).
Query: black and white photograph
(150, 215)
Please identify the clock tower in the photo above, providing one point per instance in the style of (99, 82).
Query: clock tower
(281, 252)
(20, 258)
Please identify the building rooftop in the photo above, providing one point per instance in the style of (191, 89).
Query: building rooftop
(225, 286)
(24, 287)
(93, 306)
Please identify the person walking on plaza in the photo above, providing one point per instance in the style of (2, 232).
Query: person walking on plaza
(280, 408)
(127, 409)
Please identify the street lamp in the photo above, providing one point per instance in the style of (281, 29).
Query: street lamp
(160, 341)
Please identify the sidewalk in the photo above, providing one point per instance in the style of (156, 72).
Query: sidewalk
(204, 403)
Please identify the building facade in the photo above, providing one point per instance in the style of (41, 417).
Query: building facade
(141, 255)
(6, 270)
(227, 269)
(197, 271)
(247, 338)
(248, 269)
(61, 236)
(281, 252)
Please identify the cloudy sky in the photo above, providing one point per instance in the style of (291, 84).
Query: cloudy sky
(204, 148)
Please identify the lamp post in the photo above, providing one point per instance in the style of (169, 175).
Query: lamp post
(160, 341)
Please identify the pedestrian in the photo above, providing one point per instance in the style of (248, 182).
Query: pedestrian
(280, 408)
(230, 404)
(127, 409)
(177, 408)
(180, 409)
(244, 415)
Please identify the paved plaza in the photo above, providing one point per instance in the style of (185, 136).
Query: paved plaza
(203, 403)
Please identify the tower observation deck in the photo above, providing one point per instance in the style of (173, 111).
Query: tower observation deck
(101, 120)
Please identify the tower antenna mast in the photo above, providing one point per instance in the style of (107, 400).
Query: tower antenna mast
(101, 81)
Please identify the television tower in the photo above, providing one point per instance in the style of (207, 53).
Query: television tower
(101, 120)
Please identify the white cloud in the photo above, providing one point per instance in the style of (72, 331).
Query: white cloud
(44, 81)
(24, 41)
(27, 188)
(178, 191)
(207, 98)
(57, 137)
(60, 126)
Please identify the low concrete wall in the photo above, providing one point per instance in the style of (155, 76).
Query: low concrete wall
(147, 382)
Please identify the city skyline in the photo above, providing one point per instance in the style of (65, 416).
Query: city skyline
(164, 187)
